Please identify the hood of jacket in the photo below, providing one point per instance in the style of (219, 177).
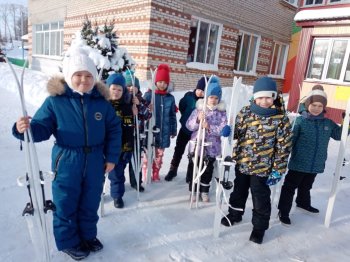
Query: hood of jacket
(57, 86)
(200, 104)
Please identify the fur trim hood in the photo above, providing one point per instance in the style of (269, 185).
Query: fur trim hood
(57, 86)
(200, 103)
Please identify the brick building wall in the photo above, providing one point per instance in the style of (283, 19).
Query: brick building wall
(157, 31)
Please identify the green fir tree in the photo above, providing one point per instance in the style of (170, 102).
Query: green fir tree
(105, 40)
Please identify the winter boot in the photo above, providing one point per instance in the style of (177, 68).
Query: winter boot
(144, 172)
(155, 173)
(118, 203)
(92, 245)
(231, 219)
(141, 188)
(189, 172)
(257, 236)
(309, 209)
(284, 218)
(171, 174)
(77, 253)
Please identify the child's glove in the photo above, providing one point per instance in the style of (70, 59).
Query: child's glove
(226, 131)
(273, 178)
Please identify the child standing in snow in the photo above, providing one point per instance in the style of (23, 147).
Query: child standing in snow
(133, 86)
(165, 118)
(311, 134)
(87, 145)
(186, 106)
(120, 100)
(263, 138)
(213, 121)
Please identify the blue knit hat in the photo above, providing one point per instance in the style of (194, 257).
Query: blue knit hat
(201, 83)
(265, 87)
(129, 75)
(116, 79)
(214, 88)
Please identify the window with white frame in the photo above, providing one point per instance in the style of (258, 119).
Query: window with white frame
(279, 59)
(48, 39)
(292, 2)
(339, 1)
(247, 52)
(204, 42)
(313, 2)
(329, 60)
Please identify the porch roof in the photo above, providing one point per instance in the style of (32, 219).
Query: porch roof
(323, 14)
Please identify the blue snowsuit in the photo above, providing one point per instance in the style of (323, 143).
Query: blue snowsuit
(123, 109)
(87, 134)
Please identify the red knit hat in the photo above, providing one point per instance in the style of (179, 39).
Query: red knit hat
(163, 73)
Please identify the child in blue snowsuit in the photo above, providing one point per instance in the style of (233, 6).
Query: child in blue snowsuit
(311, 134)
(87, 145)
(120, 100)
(165, 118)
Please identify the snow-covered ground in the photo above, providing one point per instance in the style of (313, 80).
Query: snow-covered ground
(161, 227)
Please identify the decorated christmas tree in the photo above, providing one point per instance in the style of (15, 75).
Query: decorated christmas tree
(100, 42)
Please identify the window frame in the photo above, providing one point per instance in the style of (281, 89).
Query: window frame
(285, 58)
(324, 73)
(339, 2)
(200, 65)
(256, 54)
(295, 4)
(42, 35)
(313, 4)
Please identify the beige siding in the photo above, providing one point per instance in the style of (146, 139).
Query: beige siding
(332, 30)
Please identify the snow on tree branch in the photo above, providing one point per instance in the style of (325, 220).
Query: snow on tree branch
(101, 44)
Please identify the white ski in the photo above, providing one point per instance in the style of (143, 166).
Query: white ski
(150, 132)
(136, 156)
(198, 168)
(339, 166)
(225, 162)
(38, 206)
(102, 202)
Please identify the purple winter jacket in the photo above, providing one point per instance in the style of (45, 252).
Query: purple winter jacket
(216, 119)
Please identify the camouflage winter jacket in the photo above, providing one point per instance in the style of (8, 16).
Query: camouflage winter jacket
(263, 144)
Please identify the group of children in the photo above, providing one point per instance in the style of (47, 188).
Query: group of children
(94, 128)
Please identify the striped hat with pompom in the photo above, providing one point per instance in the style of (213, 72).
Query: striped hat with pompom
(317, 94)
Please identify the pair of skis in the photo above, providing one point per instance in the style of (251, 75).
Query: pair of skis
(35, 211)
(198, 164)
(151, 131)
(136, 156)
(226, 162)
(339, 166)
